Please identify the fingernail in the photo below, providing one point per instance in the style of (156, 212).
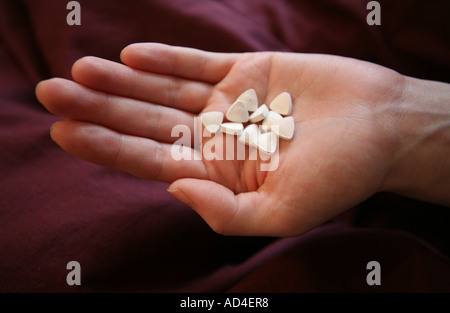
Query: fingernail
(51, 130)
(180, 195)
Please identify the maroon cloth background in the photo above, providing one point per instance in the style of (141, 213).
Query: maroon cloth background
(129, 234)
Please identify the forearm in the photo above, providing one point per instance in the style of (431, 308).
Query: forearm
(421, 124)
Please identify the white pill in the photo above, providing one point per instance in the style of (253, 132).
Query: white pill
(259, 114)
(238, 112)
(232, 128)
(271, 117)
(267, 142)
(250, 99)
(284, 128)
(212, 121)
(282, 104)
(250, 135)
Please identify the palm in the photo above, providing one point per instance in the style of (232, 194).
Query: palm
(336, 159)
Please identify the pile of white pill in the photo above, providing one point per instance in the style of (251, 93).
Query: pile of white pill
(274, 121)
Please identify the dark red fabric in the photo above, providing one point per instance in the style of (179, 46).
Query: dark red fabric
(129, 234)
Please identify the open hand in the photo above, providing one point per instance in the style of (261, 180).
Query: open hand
(121, 116)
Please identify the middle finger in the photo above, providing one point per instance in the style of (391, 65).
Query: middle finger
(118, 79)
(71, 100)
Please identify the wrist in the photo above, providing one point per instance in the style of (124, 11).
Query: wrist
(420, 127)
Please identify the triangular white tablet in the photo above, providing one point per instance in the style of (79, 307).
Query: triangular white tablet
(238, 112)
(250, 99)
(259, 114)
(232, 128)
(282, 104)
(271, 117)
(212, 120)
(267, 142)
(284, 128)
(250, 135)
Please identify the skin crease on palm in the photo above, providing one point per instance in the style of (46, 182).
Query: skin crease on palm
(121, 116)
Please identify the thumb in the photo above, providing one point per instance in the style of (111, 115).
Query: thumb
(225, 212)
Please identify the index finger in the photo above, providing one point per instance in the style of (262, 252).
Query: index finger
(189, 63)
